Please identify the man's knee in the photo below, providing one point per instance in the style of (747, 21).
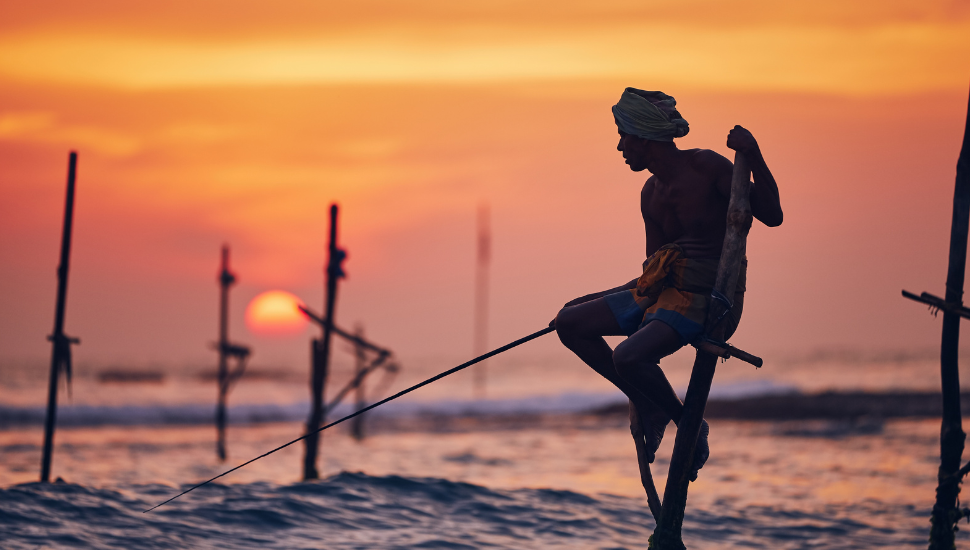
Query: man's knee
(627, 359)
(569, 325)
(624, 359)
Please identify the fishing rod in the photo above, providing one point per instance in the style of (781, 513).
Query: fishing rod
(478, 359)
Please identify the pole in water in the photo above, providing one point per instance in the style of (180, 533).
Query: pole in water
(320, 352)
(360, 363)
(226, 279)
(946, 512)
(434, 378)
(61, 352)
(483, 258)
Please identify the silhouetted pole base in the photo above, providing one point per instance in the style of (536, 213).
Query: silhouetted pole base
(321, 350)
(227, 350)
(61, 343)
(221, 427)
(668, 533)
(360, 358)
(946, 514)
(316, 414)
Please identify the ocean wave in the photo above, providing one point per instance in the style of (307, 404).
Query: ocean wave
(161, 414)
(357, 511)
(193, 414)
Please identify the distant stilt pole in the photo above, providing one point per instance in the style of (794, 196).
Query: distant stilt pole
(946, 514)
(321, 353)
(61, 353)
(483, 258)
(226, 280)
(360, 356)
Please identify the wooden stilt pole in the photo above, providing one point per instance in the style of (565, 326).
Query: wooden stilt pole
(667, 536)
(61, 344)
(226, 280)
(483, 258)
(646, 476)
(321, 353)
(945, 512)
(360, 356)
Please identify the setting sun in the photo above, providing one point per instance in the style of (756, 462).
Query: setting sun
(275, 313)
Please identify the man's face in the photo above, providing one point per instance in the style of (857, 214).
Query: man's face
(635, 150)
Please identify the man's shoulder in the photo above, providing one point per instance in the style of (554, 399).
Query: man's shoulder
(709, 162)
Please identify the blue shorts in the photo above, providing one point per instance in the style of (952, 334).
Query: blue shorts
(631, 318)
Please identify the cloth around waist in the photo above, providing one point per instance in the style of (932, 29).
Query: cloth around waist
(668, 268)
(699, 275)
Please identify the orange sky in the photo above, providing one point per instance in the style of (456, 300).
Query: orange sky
(203, 122)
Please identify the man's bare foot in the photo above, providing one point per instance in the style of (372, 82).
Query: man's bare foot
(703, 450)
(654, 424)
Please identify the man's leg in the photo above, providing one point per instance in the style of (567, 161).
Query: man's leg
(581, 329)
(637, 361)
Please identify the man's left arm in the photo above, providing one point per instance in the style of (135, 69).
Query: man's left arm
(765, 201)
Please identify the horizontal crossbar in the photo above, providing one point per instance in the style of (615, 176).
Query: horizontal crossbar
(318, 319)
(938, 303)
(727, 351)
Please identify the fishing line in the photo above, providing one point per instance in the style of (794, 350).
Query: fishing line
(480, 358)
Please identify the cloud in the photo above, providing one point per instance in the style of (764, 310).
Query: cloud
(43, 127)
(901, 57)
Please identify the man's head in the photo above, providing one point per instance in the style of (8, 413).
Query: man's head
(648, 123)
(643, 154)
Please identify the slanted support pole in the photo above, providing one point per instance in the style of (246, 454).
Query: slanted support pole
(361, 347)
(61, 344)
(667, 536)
(945, 512)
(646, 476)
(321, 352)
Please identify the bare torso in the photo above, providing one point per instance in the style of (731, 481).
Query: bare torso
(689, 206)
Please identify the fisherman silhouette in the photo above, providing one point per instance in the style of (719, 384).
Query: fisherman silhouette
(684, 207)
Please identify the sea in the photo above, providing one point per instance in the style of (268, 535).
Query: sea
(538, 461)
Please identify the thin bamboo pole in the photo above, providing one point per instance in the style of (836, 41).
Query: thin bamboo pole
(226, 279)
(360, 358)
(321, 354)
(371, 407)
(945, 512)
(483, 258)
(61, 344)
